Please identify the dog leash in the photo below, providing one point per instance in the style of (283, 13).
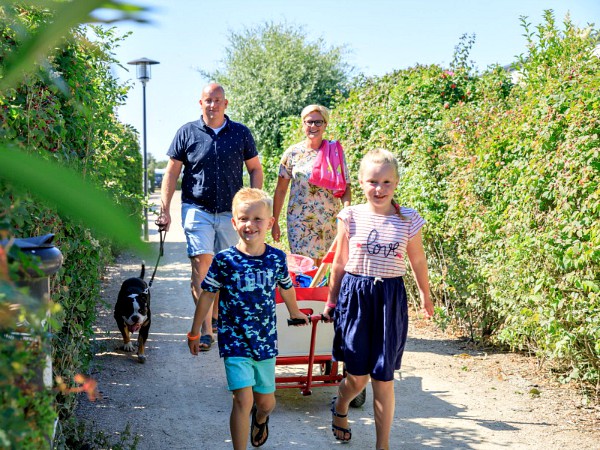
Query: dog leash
(162, 231)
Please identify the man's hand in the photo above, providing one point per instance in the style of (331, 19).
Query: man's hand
(164, 221)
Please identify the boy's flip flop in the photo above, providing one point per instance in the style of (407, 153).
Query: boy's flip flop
(207, 340)
(262, 434)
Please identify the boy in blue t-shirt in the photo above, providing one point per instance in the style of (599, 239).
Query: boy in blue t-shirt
(246, 276)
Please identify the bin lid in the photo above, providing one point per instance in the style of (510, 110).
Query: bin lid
(50, 257)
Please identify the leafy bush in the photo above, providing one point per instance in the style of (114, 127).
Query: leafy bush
(533, 200)
(506, 176)
(63, 111)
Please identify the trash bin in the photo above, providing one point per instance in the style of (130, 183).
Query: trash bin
(48, 260)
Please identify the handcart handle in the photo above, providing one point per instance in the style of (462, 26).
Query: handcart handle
(296, 322)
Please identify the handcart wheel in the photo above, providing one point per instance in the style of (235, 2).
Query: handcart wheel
(360, 399)
(326, 368)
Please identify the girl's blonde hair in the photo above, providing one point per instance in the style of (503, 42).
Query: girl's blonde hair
(315, 108)
(382, 156)
(248, 195)
(379, 156)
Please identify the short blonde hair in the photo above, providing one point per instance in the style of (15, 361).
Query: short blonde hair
(315, 108)
(248, 195)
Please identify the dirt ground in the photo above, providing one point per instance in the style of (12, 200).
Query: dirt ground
(448, 394)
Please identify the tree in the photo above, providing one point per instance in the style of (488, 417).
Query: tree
(271, 72)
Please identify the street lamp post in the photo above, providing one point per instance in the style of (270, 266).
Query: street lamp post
(143, 74)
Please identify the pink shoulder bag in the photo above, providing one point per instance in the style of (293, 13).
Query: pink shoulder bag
(328, 169)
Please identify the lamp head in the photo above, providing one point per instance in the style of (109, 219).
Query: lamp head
(143, 68)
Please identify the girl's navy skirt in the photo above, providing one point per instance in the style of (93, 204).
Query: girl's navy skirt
(371, 325)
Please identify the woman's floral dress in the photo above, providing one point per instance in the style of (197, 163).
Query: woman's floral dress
(312, 210)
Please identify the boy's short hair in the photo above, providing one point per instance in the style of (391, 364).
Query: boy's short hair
(251, 195)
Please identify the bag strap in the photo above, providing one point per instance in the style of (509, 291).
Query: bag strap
(342, 161)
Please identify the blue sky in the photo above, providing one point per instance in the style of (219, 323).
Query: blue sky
(381, 36)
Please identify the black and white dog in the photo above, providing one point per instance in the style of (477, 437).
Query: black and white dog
(132, 313)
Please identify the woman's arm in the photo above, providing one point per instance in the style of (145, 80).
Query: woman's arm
(347, 197)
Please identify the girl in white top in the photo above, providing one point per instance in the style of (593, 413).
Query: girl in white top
(367, 292)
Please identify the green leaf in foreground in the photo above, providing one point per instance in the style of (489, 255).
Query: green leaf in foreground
(71, 195)
(68, 14)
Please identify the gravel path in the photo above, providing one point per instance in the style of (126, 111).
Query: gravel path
(447, 395)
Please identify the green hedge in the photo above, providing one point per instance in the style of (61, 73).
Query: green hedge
(527, 201)
(506, 176)
(66, 111)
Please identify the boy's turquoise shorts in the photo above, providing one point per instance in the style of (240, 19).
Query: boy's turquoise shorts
(246, 372)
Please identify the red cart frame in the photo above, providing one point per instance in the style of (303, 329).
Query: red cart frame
(307, 345)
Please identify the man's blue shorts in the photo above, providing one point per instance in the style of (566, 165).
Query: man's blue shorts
(206, 233)
(246, 372)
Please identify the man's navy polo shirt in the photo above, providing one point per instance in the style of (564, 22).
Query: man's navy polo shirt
(213, 164)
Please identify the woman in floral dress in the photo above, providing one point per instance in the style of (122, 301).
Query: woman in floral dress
(312, 210)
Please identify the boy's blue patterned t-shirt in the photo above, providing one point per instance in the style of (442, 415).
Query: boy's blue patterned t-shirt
(247, 322)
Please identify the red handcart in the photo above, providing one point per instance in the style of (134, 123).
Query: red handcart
(309, 345)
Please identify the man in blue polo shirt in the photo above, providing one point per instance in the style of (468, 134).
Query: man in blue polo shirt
(212, 152)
